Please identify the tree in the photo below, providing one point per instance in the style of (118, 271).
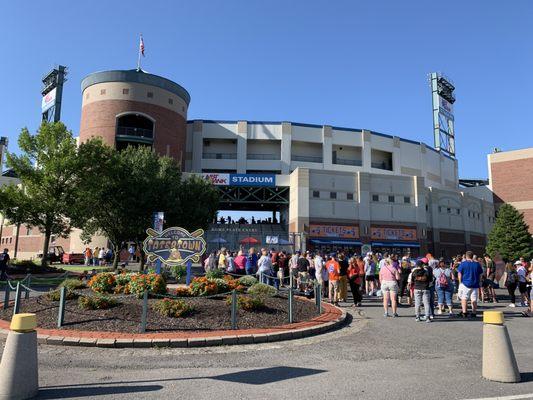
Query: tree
(15, 206)
(47, 169)
(510, 236)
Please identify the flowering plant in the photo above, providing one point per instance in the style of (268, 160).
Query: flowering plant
(154, 283)
(173, 308)
(103, 282)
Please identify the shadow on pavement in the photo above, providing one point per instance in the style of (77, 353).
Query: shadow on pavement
(526, 377)
(70, 392)
(267, 375)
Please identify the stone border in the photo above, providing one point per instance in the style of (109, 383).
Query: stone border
(331, 318)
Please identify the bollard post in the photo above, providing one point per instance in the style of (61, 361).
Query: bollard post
(27, 294)
(19, 377)
(61, 313)
(17, 300)
(234, 309)
(291, 319)
(7, 295)
(499, 362)
(144, 312)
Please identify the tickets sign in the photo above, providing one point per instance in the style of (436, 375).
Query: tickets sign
(334, 231)
(174, 246)
(380, 233)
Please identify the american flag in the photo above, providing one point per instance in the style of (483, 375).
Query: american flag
(141, 46)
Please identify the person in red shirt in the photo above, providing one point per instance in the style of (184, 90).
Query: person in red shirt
(356, 271)
(333, 268)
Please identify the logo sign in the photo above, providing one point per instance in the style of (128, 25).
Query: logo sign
(365, 249)
(272, 239)
(334, 231)
(392, 233)
(49, 100)
(174, 246)
(252, 180)
(217, 179)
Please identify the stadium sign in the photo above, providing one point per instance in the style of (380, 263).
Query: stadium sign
(265, 180)
(174, 246)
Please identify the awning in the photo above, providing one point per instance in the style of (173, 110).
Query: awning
(396, 244)
(335, 241)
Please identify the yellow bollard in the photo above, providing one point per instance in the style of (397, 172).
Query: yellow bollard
(18, 370)
(499, 362)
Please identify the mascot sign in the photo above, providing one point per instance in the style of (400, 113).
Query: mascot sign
(174, 246)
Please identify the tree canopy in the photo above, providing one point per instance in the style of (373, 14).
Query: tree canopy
(510, 236)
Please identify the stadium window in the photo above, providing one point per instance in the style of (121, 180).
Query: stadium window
(150, 94)
(332, 195)
(125, 91)
(316, 194)
(391, 199)
(170, 101)
(449, 210)
(102, 91)
(349, 196)
(375, 197)
(406, 199)
(458, 211)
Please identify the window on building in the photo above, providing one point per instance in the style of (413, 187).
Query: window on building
(125, 91)
(349, 196)
(440, 209)
(102, 91)
(406, 199)
(150, 94)
(316, 194)
(458, 211)
(375, 197)
(449, 210)
(170, 101)
(391, 199)
(332, 195)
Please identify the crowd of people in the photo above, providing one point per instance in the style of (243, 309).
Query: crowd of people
(243, 221)
(424, 283)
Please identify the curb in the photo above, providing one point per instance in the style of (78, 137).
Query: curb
(332, 318)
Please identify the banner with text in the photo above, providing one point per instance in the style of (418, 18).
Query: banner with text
(381, 233)
(334, 231)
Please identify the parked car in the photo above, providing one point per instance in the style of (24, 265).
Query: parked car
(56, 254)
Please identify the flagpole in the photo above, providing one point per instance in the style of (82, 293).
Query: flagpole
(139, 54)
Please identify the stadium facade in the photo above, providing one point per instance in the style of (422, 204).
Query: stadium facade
(332, 187)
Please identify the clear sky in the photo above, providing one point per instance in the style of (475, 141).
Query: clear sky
(358, 64)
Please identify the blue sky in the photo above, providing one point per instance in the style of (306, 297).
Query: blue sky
(359, 64)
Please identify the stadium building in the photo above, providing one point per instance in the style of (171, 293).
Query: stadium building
(327, 187)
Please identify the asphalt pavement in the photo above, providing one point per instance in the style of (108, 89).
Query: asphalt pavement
(372, 357)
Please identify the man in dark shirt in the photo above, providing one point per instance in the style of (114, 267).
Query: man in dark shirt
(4, 262)
(421, 278)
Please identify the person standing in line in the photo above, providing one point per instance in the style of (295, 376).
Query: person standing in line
(470, 273)
(240, 263)
(230, 260)
(370, 269)
(432, 264)
(325, 278)
(101, 257)
(131, 251)
(444, 287)
(405, 271)
(251, 262)
(88, 256)
(529, 312)
(4, 264)
(264, 267)
(222, 261)
(521, 272)
(280, 273)
(490, 278)
(388, 276)
(355, 270)
(293, 266)
(333, 268)
(420, 278)
(343, 277)
(510, 279)
(318, 261)
(95, 256)
(303, 272)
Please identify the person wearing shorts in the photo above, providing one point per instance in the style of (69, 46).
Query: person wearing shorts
(333, 268)
(470, 273)
(370, 269)
(388, 276)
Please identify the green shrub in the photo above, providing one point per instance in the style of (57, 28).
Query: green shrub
(247, 280)
(262, 290)
(173, 308)
(215, 274)
(179, 272)
(248, 303)
(97, 302)
(55, 295)
(205, 287)
(154, 283)
(103, 282)
(123, 279)
(72, 284)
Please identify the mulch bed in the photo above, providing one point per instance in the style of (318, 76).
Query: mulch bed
(210, 314)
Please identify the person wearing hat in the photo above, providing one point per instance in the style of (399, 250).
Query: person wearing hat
(333, 268)
(470, 273)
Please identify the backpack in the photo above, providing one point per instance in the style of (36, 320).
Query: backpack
(512, 277)
(443, 280)
(421, 275)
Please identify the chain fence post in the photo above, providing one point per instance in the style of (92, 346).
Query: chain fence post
(319, 299)
(7, 294)
(144, 311)
(234, 309)
(61, 313)
(28, 286)
(290, 305)
(17, 300)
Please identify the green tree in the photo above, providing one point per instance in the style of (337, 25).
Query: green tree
(15, 207)
(510, 236)
(46, 168)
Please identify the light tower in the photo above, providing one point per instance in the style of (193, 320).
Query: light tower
(443, 120)
(53, 93)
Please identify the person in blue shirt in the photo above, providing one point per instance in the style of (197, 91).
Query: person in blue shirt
(251, 262)
(470, 272)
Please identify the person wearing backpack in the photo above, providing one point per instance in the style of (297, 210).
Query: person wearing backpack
(510, 278)
(444, 286)
(421, 277)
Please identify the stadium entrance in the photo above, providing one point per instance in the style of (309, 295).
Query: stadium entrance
(253, 212)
